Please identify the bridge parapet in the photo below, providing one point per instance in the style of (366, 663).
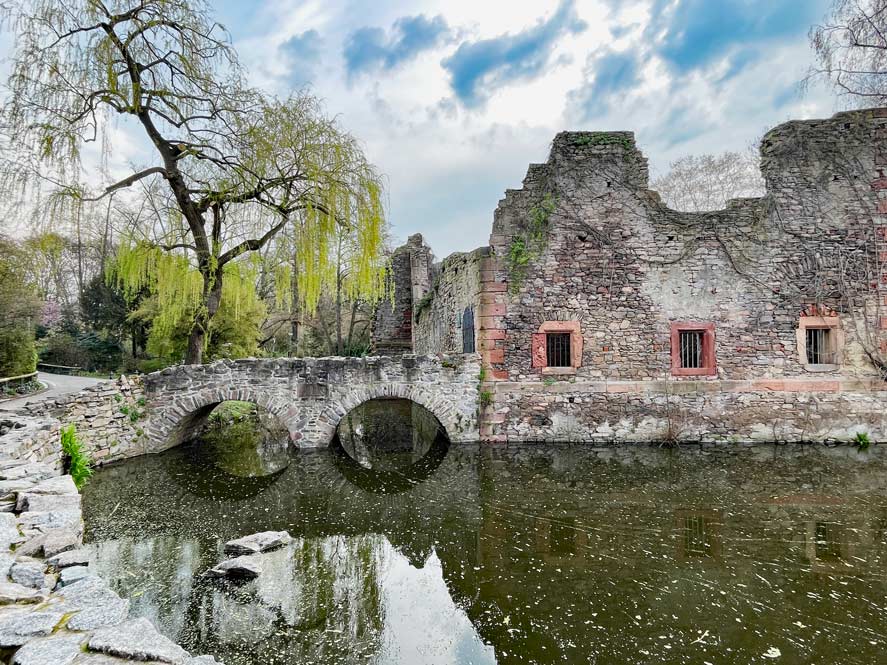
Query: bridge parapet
(311, 395)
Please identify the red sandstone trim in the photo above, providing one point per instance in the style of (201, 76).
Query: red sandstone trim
(709, 358)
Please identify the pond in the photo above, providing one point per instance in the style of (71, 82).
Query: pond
(411, 551)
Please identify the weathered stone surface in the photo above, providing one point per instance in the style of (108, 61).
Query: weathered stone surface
(30, 572)
(57, 485)
(33, 546)
(9, 531)
(139, 640)
(53, 519)
(55, 650)
(28, 501)
(20, 626)
(202, 660)
(258, 542)
(60, 540)
(11, 593)
(242, 567)
(79, 557)
(95, 604)
(73, 574)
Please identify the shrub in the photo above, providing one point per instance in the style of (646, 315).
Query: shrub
(862, 440)
(76, 460)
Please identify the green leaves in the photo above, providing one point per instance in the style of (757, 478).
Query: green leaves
(77, 461)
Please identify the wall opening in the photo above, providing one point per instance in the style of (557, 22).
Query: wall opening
(240, 438)
(389, 445)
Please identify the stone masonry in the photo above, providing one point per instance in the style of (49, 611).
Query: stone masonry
(54, 609)
(585, 250)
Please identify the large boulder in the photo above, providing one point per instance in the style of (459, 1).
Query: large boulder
(258, 543)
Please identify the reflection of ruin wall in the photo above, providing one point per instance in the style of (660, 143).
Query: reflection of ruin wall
(457, 285)
(719, 411)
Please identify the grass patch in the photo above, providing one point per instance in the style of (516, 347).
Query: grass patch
(76, 460)
(862, 440)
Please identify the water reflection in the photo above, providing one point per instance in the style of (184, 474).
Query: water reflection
(517, 555)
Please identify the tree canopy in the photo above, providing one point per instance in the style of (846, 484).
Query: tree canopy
(235, 167)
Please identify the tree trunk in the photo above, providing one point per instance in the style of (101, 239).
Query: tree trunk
(339, 349)
(212, 297)
(294, 309)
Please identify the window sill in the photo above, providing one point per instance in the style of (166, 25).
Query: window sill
(822, 368)
(558, 371)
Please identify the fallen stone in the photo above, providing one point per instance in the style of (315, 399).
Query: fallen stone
(139, 640)
(11, 593)
(242, 567)
(42, 503)
(19, 627)
(73, 574)
(258, 542)
(29, 572)
(55, 650)
(60, 540)
(79, 557)
(95, 604)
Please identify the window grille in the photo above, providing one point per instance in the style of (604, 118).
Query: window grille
(468, 330)
(691, 348)
(820, 350)
(557, 346)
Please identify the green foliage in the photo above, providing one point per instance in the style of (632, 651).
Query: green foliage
(528, 245)
(423, 304)
(862, 440)
(486, 398)
(19, 307)
(233, 332)
(76, 460)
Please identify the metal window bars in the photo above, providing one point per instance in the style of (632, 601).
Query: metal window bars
(468, 345)
(820, 347)
(691, 348)
(557, 350)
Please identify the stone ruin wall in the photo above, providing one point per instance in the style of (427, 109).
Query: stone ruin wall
(409, 279)
(456, 286)
(624, 266)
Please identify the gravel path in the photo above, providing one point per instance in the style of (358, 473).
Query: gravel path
(58, 385)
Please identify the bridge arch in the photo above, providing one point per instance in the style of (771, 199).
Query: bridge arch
(175, 421)
(348, 400)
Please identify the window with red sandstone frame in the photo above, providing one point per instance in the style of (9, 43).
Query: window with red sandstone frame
(557, 347)
(693, 349)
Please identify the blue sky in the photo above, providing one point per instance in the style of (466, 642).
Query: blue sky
(452, 100)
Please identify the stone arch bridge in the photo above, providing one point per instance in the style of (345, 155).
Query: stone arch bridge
(310, 395)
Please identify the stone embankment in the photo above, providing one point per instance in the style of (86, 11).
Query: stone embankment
(53, 609)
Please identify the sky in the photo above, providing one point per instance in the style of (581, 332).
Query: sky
(452, 100)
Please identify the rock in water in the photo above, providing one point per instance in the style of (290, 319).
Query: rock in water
(242, 567)
(258, 542)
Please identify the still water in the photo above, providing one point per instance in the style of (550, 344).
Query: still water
(411, 551)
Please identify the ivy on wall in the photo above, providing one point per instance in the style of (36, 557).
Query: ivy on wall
(528, 245)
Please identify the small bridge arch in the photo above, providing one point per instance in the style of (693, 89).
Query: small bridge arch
(311, 395)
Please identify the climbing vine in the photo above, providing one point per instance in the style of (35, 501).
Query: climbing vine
(528, 245)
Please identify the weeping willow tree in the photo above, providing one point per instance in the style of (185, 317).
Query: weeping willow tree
(238, 168)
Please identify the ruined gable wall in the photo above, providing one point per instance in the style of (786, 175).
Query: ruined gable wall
(625, 266)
